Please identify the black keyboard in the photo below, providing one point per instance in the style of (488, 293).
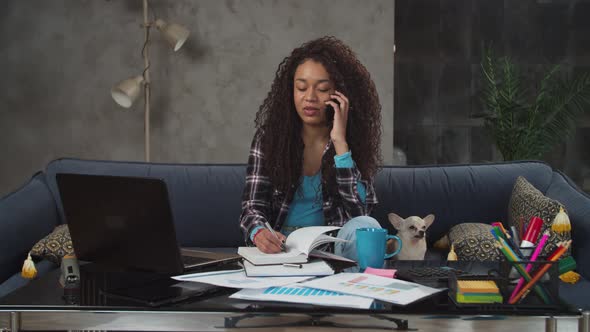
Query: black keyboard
(428, 273)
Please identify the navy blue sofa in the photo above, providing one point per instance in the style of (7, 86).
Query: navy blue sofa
(206, 199)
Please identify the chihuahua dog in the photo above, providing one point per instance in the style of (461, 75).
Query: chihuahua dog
(412, 233)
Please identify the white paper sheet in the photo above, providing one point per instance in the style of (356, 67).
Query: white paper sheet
(238, 279)
(297, 294)
(362, 284)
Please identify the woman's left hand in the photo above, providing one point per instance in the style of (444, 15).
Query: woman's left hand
(338, 133)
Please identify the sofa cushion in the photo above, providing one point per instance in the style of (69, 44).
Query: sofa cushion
(16, 281)
(454, 193)
(525, 202)
(474, 242)
(576, 294)
(205, 199)
(54, 246)
(565, 190)
(28, 214)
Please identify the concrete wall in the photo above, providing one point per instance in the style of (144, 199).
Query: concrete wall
(59, 59)
(438, 79)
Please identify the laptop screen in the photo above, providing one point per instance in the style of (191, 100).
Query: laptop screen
(120, 222)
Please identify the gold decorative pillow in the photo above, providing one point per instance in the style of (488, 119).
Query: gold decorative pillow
(527, 201)
(54, 246)
(474, 242)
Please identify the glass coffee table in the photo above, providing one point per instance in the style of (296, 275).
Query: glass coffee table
(45, 305)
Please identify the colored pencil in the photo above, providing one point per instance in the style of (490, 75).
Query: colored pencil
(502, 231)
(529, 266)
(500, 226)
(515, 236)
(511, 256)
(554, 257)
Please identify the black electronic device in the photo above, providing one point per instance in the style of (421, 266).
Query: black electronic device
(422, 273)
(126, 223)
(129, 288)
(330, 113)
(160, 292)
(70, 279)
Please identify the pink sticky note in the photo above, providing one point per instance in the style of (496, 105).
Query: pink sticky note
(387, 273)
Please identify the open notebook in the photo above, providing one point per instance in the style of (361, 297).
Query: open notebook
(298, 246)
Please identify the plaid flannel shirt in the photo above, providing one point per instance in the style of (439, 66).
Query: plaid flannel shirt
(261, 202)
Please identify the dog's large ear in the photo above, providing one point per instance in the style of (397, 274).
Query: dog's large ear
(428, 220)
(395, 220)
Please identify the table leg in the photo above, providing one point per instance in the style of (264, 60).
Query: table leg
(550, 324)
(584, 323)
(14, 321)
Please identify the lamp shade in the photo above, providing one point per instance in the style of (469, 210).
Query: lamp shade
(175, 34)
(125, 92)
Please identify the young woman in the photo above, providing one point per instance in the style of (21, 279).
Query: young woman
(316, 148)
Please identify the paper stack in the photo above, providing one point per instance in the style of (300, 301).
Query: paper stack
(478, 291)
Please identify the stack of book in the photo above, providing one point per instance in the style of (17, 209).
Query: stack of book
(478, 291)
(300, 257)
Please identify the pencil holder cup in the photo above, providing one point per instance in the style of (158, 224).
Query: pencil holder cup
(547, 282)
(530, 302)
(514, 276)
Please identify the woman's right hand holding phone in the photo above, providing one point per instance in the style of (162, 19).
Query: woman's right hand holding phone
(340, 104)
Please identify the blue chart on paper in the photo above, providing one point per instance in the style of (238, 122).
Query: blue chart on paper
(295, 294)
(298, 291)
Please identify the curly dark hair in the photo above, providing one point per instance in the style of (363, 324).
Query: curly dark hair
(279, 126)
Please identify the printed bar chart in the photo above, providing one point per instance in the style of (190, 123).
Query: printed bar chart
(300, 291)
(297, 294)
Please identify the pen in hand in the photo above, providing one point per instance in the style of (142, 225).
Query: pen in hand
(267, 225)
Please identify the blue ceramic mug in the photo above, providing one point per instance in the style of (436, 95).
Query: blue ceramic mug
(370, 247)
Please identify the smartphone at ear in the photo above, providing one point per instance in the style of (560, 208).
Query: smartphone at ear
(330, 113)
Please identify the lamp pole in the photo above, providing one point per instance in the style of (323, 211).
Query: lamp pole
(146, 78)
(126, 92)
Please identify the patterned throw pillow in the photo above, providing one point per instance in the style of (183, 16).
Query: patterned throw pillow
(474, 242)
(527, 201)
(54, 246)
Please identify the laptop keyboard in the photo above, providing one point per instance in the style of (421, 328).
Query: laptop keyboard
(428, 272)
(442, 272)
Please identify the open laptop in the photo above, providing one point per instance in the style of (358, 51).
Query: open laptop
(126, 223)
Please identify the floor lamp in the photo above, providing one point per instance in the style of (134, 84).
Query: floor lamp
(126, 92)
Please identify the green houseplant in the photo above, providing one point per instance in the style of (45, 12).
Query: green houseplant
(524, 122)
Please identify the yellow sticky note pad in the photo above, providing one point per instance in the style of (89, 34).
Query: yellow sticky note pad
(490, 298)
(477, 286)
